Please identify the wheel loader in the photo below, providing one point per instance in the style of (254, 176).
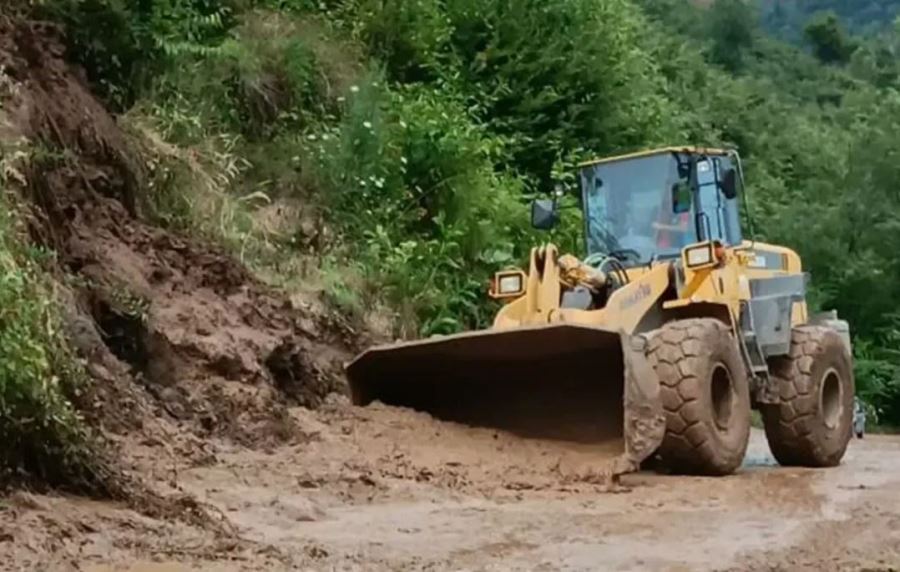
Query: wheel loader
(656, 345)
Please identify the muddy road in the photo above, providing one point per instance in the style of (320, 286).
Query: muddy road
(388, 489)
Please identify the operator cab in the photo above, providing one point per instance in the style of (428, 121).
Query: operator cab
(648, 206)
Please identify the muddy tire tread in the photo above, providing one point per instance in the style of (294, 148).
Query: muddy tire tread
(790, 425)
(676, 353)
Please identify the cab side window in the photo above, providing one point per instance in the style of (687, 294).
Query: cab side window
(719, 219)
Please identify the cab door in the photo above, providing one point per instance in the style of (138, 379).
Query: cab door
(717, 215)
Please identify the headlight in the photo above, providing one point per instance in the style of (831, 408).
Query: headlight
(508, 284)
(699, 255)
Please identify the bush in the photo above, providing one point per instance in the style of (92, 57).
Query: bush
(410, 37)
(552, 76)
(123, 44)
(264, 79)
(41, 434)
(411, 176)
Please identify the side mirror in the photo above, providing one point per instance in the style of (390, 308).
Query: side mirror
(544, 215)
(681, 197)
(729, 184)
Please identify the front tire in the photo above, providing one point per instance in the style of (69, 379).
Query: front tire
(705, 394)
(813, 423)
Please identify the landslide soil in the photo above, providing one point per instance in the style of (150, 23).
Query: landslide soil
(225, 397)
(181, 342)
(388, 489)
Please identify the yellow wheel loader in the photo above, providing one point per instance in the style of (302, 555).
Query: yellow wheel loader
(656, 345)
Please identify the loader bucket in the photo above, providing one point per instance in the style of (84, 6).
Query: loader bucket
(560, 381)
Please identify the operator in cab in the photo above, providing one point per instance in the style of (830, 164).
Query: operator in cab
(674, 222)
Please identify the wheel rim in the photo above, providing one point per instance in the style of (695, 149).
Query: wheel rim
(722, 390)
(830, 399)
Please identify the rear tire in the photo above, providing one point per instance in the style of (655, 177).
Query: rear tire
(813, 423)
(705, 394)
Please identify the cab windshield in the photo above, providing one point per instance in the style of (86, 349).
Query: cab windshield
(629, 211)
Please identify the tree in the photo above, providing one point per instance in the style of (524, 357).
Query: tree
(829, 40)
(786, 18)
(732, 28)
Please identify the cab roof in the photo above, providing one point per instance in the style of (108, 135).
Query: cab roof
(649, 152)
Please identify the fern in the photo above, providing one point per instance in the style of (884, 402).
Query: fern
(186, 29)
(174, 49)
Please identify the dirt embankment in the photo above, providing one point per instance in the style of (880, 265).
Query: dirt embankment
(181, 342)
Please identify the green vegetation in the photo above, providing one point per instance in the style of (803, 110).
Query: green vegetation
(422, 128)
(828, 39)
(788, 18)
(41, 433)
(731, 26)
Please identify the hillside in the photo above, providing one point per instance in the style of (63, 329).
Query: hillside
(210, 206)
(119, 334)
(787, 18)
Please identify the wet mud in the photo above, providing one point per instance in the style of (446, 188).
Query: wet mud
(382, 488)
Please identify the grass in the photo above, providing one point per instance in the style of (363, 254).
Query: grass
(42, 437)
